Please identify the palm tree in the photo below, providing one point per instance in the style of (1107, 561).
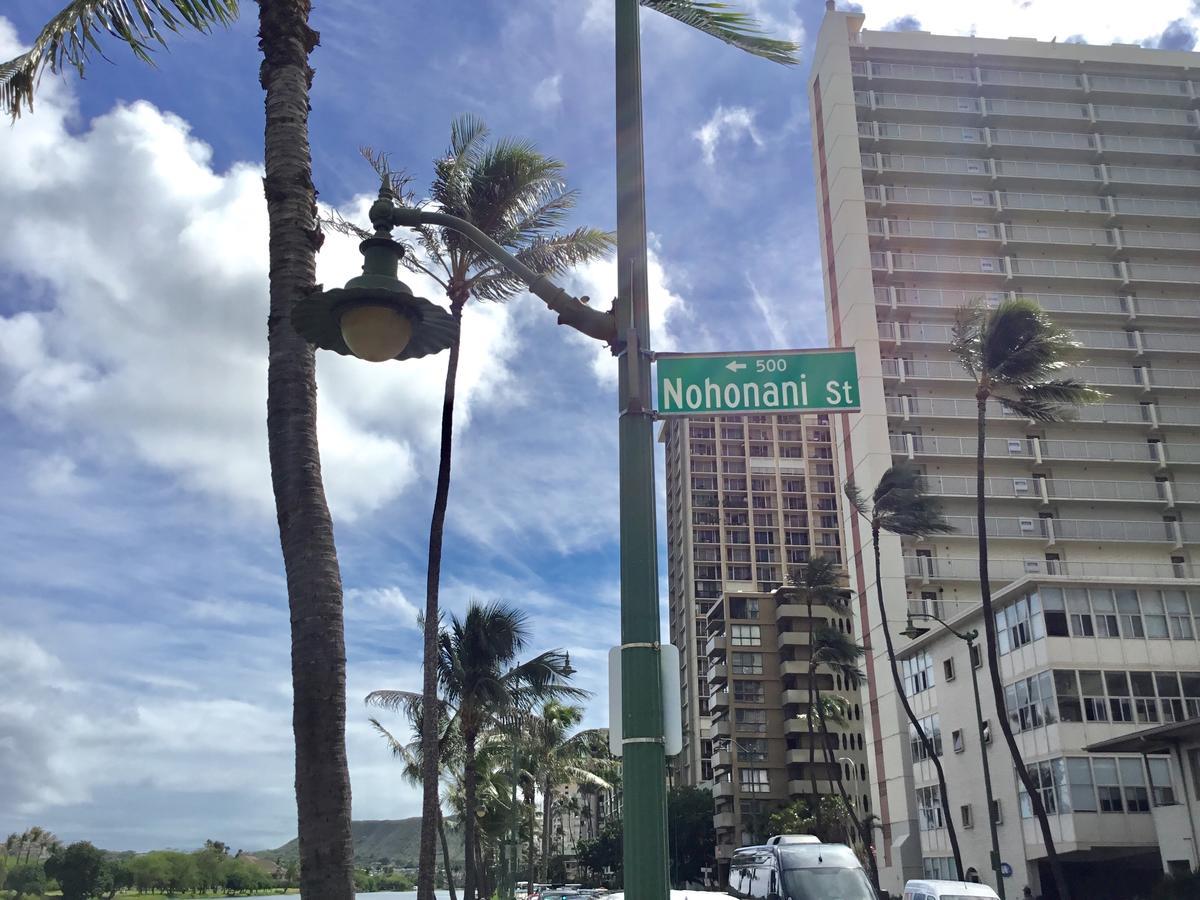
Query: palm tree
(305, 527)
(410, 756)
(519, 198)
(899, 506)
(1016, 355)
(559, 756)
(818, 583)
(481, 683)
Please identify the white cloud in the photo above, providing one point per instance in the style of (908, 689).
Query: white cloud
(1043, 19)
(726, 124)
(389, 601)
(547, 94)
(155, 344)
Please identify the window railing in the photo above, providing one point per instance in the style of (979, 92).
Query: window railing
(1130, 85)
(1060, 234)
(952, 231)
(1161, 240)
(1173, 378)
(1158, 145)
(1158, 272)
(967, 569)
(1105, 340)
(1171, 341)
(938, 196)
(1065, 268)
(1082, 203)
(1048, 108)
(1144, 114)
(1014, 78)
(1097, 451)
(935, 165)
(1084, 489)
(950, 134)
(1036, 169)
(925, 102)
(1167, 307)
(962, 265)
(1153, 206)
(1050, 140)
(1108, 376)
(1139, 175)
(945, 299)
(922, 73)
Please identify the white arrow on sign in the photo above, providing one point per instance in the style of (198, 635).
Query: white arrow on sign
(735, 366)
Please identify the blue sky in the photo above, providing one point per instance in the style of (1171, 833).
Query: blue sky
(143, 620)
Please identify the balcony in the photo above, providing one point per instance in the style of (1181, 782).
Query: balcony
(1066, 204)
(722, 759)
(1157, 117)
(1157, 146)
(1054, 530)
(1160, 240)
(715, 648)
(1004, 570)
(1098, 451)
(1167, 274)
(918, 103)
(933, 136)
(1049, 80)
(1099, 413)
(904, 72)
(1056, 171)
(887, 195)
(718, 673)
(1036, 109)
(721, 728)
(933, 445)
(1154, 177)
(936, 263)
(794, 697)
(924, 229)
(795, 667)
(1042, 140)
(722, 789)
(718, 701)
(1123, 84)
(723, 820)
(1067, 268)
(1060, 234)
(951, 300)
(1156, 207)
(1046, 489)
(940, 166)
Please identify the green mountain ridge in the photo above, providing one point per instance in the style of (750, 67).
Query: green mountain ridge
(395, 840)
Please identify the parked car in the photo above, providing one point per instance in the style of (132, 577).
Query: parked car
(924, 889)
(798, 870)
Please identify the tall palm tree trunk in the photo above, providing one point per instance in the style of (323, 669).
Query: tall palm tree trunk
(812, 710)
(532, 873)
(305, 527)
(993, 658)
(860, 827)
(430, 776)
(930, 750)
(441, 825)
(470, 802)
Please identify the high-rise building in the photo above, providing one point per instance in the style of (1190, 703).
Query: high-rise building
(749, 499)
(959, 170)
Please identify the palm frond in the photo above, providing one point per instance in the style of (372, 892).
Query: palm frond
(856, 499)
(1050, 401)
(553, 255)
(402, 702)
(69, 37)
(901, 506)
(723, 22)
(965, 337)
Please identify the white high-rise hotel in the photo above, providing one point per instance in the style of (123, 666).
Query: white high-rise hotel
(958, 169)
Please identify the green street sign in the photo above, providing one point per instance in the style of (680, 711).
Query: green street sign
(760, 381)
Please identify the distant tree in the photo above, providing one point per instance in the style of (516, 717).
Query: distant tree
(692, 841)
(77, 869)
(26, 879)
(801, 816)
(605, 851)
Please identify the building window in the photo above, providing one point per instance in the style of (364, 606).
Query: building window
(750, 721)
(939, 868)
(743, 607)
(933, 730)
(1161, 788)
(929, 808)
(754, 781)
(1133, 778)
(997, 812)
(1108, 786)
(748, 691)
(948, 668)
(968, 820)
(747, 663)
(746, 635)
(1030, 702)
(918, 673)
(976, 656)
(752, 750)
(956, 737)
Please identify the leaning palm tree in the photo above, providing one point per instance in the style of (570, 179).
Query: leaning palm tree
(519, 198)
(305, 527)
(899, 506)
(481, 684)
(1017, 356)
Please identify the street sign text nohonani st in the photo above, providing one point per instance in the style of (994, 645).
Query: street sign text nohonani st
(760, 381)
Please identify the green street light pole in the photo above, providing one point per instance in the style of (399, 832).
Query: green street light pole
(643, 757)
(915, 631)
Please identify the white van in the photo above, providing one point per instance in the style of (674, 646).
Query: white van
(921, 889)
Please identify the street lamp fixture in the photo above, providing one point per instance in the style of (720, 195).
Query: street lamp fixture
(914, 631)
(376, 316)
